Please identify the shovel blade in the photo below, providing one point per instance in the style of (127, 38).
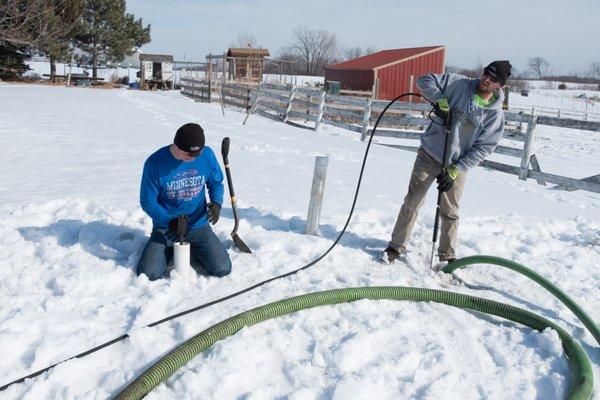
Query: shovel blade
(239, 243)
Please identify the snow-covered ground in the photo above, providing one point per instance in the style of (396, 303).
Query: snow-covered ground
(553, 85)
(582, 101)
(72, 160)
(579, 101)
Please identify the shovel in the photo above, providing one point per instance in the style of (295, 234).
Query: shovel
(239, 243)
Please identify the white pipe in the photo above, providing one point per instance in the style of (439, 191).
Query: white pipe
(182, 260)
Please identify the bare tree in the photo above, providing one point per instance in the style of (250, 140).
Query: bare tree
(245, 40)
(594, 70)
(370, 50)
(316, 49)
(351, 53)
(473, 72)
(538, 66)
(35, 22)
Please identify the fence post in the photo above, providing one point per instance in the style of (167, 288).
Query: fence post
(251, 109)
(520, 121)
(209, 66)
(248, 99)
(316, 195)
(528, 148)
(308, 108)
(321, 108)
(376, 88)
(288, 108)
(365, 121)
(221, 95)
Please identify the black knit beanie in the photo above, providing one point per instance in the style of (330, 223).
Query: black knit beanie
(500, 69)
(190, 138)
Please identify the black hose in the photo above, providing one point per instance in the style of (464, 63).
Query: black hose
(257, 285)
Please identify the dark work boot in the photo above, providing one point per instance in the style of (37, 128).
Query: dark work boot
(390, 255)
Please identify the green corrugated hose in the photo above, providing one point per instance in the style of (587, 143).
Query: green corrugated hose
(582, 377)
(552, 288)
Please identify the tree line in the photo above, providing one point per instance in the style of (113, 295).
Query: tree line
(539, 68)
(93, 32)
(310, 51)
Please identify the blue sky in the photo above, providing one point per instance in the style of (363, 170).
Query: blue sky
(563, 32)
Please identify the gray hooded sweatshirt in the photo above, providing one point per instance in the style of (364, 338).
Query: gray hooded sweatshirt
(475, 131)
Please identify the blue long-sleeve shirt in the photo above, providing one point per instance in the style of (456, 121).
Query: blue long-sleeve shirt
(171, 187)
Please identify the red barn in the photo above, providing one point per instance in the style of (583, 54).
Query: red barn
(389, 72)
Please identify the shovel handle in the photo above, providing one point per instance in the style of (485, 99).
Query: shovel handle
(225, 150)
(225, 154)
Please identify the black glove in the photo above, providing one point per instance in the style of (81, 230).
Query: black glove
(441, 109)
(179, 226)
(214, 210)
(446, 178)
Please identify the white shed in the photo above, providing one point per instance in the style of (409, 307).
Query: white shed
(156, 71)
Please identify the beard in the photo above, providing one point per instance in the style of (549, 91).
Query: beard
(484, 90)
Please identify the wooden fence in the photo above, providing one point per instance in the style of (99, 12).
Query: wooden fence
(197, 89)
(581, 115)
(309, 108)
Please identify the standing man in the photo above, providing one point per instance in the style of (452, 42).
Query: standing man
(172, 194)
(473, 110)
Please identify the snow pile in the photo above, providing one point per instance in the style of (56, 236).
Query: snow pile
(71, 231)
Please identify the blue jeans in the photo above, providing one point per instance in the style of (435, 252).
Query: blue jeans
(207, 253)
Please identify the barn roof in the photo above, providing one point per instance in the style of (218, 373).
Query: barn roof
(247, 52)
(384, 58)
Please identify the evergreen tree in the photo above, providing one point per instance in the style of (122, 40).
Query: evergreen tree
(108, 33)
(35, 26)
(12, 64)
(57, 48)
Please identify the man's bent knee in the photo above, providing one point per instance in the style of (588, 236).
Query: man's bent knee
(223, 268)
(153, 272)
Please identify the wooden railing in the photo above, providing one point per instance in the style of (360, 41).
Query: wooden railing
(197, 89)
(305, 106)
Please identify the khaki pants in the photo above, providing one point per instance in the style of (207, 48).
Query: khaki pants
(424, 172)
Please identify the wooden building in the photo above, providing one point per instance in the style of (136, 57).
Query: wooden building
(246, 64)
(156, 71)
(388, 73)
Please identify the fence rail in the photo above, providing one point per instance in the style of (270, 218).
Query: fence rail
(402, 121)
(581, 115)
(197, 89)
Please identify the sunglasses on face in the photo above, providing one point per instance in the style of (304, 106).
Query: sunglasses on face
(491, 77)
